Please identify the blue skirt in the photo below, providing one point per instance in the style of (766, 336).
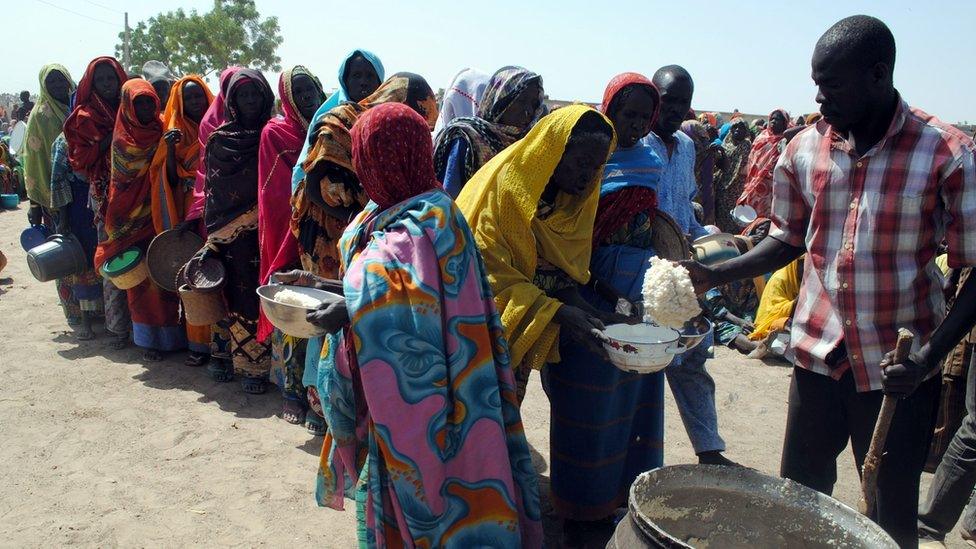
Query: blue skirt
(606, 425)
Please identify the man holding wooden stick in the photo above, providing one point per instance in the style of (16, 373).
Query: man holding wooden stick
(869, 193)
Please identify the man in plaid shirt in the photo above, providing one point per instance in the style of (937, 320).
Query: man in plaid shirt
(869, 193)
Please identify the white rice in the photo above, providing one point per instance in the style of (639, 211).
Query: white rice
(291, 297)
(669, 295)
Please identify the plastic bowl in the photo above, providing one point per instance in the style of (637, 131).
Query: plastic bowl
(641, 348)
(288, 318)
(9, 201)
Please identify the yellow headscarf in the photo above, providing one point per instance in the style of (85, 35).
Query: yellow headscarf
(500, 203)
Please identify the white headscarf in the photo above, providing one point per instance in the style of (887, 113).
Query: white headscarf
(462, 96)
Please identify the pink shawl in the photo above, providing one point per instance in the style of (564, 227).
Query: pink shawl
(213, 118)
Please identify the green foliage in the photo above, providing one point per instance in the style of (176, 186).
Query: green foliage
(232, 33)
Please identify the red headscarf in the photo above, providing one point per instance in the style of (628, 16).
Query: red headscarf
(281, 142)
(91, 121)
(128, 209)
(616, 209)
(392, 153)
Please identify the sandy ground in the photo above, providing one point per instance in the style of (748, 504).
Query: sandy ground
(101, 450)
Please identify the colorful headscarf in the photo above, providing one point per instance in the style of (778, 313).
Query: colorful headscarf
(281, 141)
(43, 127)
(501, 202)
(128, 212)
(391, 152)
(318, 231)
(91, 121)
(462, 97)
(631, 175)
(171, 200)
(484, 135)
(232, 161)
(758, 191)
(212, 119)
(340, 96)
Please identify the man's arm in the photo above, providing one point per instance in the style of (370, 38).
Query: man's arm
(768, 256)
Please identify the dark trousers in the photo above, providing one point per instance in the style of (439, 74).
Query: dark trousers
(953, 483)
(824, 414)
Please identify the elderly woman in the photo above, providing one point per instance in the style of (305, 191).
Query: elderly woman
(531, 210)
(422, 409)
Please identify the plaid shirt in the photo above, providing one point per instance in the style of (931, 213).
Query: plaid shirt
(871, 226)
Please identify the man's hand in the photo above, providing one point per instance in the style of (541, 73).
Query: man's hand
(702, 276)
(901, 380)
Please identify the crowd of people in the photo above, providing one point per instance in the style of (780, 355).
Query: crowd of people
(481, 237)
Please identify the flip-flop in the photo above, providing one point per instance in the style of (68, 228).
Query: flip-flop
(196, 360)
(315, 424)
(220, 371)
(293, 412)
(253, 386)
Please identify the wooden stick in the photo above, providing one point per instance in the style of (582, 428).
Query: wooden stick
(872, 460)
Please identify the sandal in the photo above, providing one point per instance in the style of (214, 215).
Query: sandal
(152, 355)
(220, 371)
(315, 424)
(293, 412)
(253, 386)
(121, 342)
(195, 359)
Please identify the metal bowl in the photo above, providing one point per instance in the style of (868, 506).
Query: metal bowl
(290, 319)
(641, 348)
(685, 506)
(693, 332)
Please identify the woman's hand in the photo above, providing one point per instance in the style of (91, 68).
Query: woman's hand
(173, 137)
(330, 316)
(582, 328)
(35, 215)
(308, 280)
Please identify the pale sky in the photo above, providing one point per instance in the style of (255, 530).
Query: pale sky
(750, 55)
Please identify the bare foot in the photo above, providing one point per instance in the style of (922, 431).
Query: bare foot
(120, 342)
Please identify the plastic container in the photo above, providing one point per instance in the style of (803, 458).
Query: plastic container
(127, 270)
(58, 257)
(9, 201)
(33, 236)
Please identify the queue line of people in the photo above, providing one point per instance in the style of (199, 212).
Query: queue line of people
(500, 247)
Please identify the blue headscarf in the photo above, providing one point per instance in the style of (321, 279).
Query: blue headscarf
(638, 166)
(298, 173)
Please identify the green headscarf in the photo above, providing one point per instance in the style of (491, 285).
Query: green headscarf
(43, 127)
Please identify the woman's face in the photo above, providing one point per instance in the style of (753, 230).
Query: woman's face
(106, 82)
(777, 123)
(521, 111)
(739, 132)
(632, 115)
(194, 101)
(580, 167)
(57, 86)
(145, 109)
(248, 100)
(306, 95)
(162, 87)
(360, 78)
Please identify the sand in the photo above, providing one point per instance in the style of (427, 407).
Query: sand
(99, 449)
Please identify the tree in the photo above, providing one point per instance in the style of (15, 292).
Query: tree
(232, 33)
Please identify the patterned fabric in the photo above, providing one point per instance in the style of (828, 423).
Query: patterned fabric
(731, 182)
(281, 141)
(483, 134)
(91, 121)
(386, 145)
(70, 191)
(501, 204)
(339, 97)
(155, 315)
(128, 214)
(251, 358)
(462, 97)
(778, 300)
(863, 219)
(212, 119)
(43, 126)
(171, 200)
(232, 161)
(288, 365)
(422, 410)
(766, 149)
(317, 230)
(629, 187)
(8, 178)
(704, 166)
